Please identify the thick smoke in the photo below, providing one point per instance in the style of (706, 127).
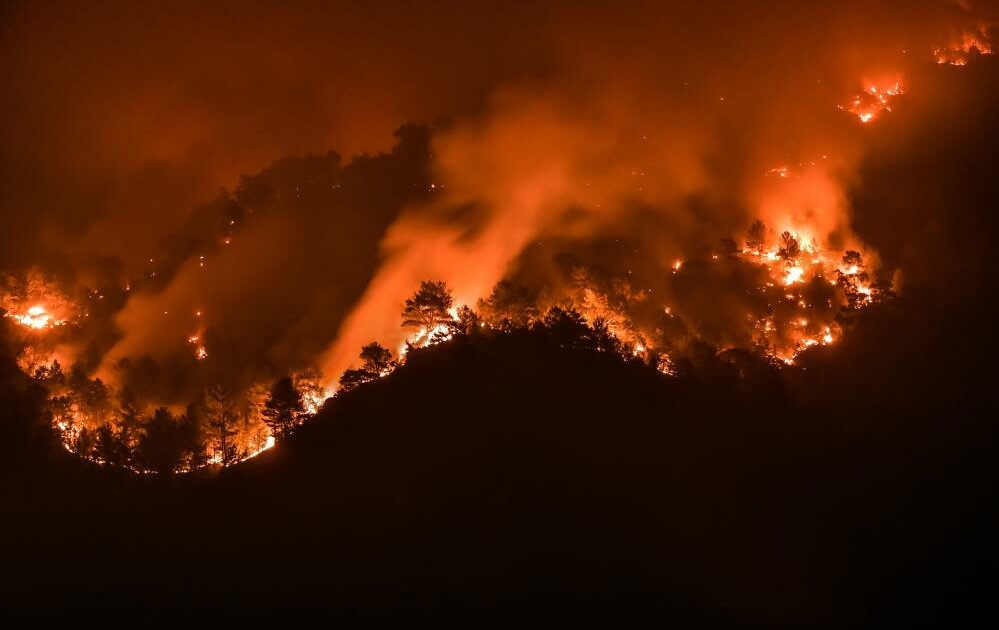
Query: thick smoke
(624, 136)
(665, 153)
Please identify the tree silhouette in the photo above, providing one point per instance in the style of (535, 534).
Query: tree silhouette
(601, 337)
(756, 236)
(191, 435)
(429, 306)
(728, 247)
(376, 360)
(510, 306)
(284, 407)
(467, 323)
(852, 258)
(566, 327)
(790, 248)
(222, 420)
(161, 446)
(110, 448)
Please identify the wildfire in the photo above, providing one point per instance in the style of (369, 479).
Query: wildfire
(38, 318)
(268, 444)
(965, 46)
(200, 352)
(794, 274)
(426, 337)
(874, 100)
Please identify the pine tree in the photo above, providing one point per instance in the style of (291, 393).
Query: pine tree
(429, 306)
(222, 420)
(283, 408)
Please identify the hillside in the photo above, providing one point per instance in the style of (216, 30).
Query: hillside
(507, 471)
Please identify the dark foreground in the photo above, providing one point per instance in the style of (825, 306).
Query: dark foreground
(504, 474)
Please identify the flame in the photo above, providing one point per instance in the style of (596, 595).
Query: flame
(794, 274)
(37, 317)
(268, 444)
(200, 351)
(963, 47)
(874, 100)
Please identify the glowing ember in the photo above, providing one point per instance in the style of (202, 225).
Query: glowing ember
(200, 352)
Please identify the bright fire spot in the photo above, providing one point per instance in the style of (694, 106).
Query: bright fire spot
(37, 318)
(780, 171)
(201, 353)
(962, 48)
(268, 443)
(875, 99)
(677, 264)
(313, 400)
(794, 274)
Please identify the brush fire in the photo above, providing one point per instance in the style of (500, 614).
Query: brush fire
(636, 225)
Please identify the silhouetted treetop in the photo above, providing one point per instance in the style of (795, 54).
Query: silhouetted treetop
(789, 248)
(284, 407)
(429, 306)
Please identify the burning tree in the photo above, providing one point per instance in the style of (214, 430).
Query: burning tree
(565, 326)
(376, 361)
(111, 447)
(429, 307)
(222, 420)
(467, 321)
(789, 249)
(284, 407)
(510, 305)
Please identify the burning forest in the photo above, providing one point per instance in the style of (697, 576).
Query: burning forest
(525, 213)
(195, 275)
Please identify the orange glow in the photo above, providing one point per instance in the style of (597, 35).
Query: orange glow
(875, 99)
(794, 274)
(268, 444)
(200, 352)
(963, 47)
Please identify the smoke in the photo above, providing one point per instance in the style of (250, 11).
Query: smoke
(667, 153)
(627, 136)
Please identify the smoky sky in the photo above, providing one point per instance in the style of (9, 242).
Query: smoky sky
(119, 119)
